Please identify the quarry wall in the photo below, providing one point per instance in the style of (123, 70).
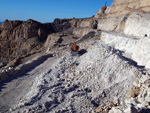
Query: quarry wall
(120, 7)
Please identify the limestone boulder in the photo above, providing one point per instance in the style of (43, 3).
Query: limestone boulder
(115, 110)
(133, 92)
(108, 24)
(52, 40)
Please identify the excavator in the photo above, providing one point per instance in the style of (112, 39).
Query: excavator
(74, 48)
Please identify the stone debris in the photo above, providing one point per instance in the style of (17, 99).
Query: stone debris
(110, 72)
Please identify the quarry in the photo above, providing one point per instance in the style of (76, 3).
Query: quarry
(107, 70)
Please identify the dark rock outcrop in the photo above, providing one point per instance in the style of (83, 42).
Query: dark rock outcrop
(21, 38)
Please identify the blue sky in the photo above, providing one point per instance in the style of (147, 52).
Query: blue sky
(48, 10)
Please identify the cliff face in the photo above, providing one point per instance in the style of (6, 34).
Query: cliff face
(120, 7)
(21, 38)
(18, 38)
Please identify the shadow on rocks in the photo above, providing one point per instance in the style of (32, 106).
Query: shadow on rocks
(24, 69)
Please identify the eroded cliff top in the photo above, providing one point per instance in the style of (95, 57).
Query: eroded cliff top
(121, 7)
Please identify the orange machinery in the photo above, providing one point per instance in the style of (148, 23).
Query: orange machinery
(74, 48)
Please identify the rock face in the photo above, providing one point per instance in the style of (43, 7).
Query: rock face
(137, 97)
(18, 38)
(101, 12)
(21, 38)
(137, 48)
(138, 25)
(121, 7)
